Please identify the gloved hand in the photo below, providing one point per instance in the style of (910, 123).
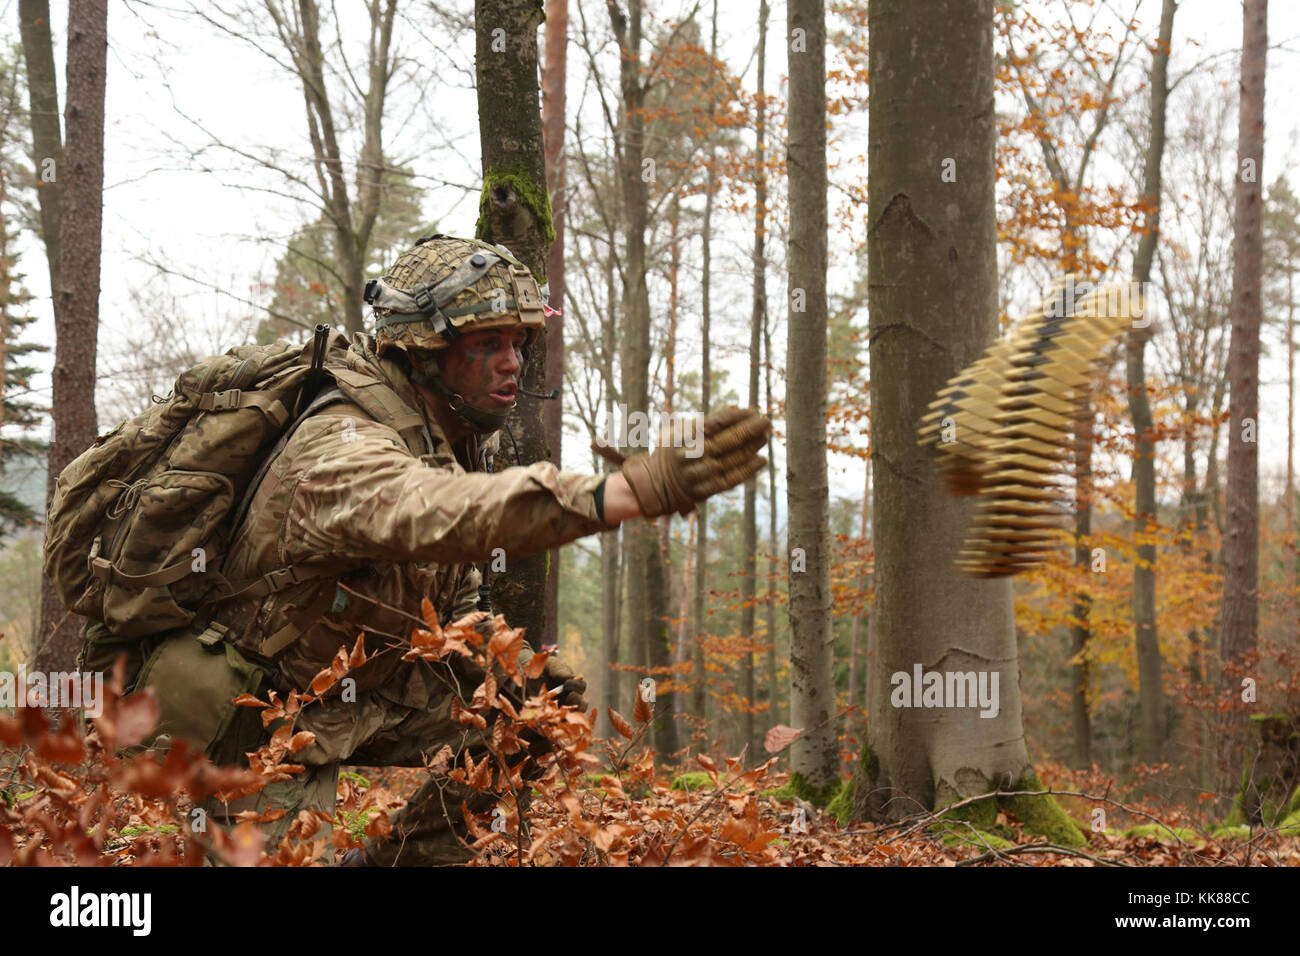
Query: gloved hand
(557, 674)
(670, 479)
(560, 674)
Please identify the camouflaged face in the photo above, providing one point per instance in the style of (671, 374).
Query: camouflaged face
(429, 263)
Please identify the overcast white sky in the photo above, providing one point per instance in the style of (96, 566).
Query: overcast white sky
(159, 203)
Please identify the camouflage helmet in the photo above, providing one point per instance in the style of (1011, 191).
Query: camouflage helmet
(445, 287)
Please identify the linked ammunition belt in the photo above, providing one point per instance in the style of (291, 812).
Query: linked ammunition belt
(1003, 427)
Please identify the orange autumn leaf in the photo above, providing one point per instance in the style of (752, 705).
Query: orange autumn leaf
(620, 724)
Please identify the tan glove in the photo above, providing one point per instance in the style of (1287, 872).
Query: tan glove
(560, 674)
(671, 479)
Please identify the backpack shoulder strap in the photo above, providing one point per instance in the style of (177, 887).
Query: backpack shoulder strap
(380, 402)
(327, 397)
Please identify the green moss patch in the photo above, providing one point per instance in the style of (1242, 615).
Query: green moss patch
(1165, 834)
(692, 780)
(958, 834)
(1231, 832)
(817, 796)
(533, 197)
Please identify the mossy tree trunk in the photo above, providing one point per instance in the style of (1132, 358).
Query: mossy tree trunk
(515, 211)
(933, 301)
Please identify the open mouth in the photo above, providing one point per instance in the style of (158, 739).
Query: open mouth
(505, 395)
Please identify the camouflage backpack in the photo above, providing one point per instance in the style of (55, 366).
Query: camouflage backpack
(139, 524)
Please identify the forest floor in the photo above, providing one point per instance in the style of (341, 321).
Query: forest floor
(766, 828)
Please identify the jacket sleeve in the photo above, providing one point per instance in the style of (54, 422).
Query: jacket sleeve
(358, 494)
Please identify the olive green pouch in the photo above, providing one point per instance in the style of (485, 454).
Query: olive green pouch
(101, 648)
(196, 678)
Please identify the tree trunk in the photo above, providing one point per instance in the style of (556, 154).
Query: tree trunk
(612, 545)
(932, 250)
(682, 637)
(813, 756)
(1241, 541)
(649, 634)
(351, 218)
(665, 522)
(699, 682)
(757, 320)
(1293, 555)
(47, 164)
(1080, 632)
(76, 315)
(1151, 692)
(852, 719)
(515, 211)
(47, 141)
(553, 81)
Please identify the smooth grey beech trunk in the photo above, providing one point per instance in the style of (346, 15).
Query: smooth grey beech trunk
(814, 756)
(933, 302)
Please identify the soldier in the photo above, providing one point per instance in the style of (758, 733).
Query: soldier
(406, 504)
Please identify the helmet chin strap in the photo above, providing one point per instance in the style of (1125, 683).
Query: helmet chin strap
(481, 421)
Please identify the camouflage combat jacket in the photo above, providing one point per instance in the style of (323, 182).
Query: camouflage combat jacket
(401, 527)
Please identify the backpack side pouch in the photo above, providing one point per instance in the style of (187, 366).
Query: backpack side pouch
(196, 675)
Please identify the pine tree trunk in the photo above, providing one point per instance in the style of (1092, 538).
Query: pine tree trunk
(932, 250)
(515, 211)
(76, 314)
(814, 756)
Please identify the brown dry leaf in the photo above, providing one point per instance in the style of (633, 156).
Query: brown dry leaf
(136, 717)
(779, 737)
(479, 777)
(322, 682)
(280, 739)
(64, 746)
(536, 665)
(465, 716)
(740, 832)
(642, 711)
(303, 738)
(620, 724)
(505, 647)
(430, 616)
(10, 731)
(244, 846)
(358, 656)
(710, 767)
